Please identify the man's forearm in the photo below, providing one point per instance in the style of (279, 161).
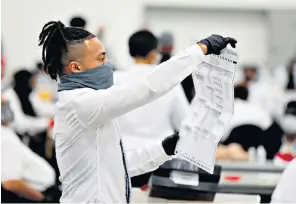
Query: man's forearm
(22, 189)
(144, 160)
(119, 100)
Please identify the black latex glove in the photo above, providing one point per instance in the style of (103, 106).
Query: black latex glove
(169, 144)
(216, 43)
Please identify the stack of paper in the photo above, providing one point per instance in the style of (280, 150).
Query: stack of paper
(211, 109)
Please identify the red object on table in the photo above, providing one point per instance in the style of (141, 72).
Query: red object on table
(233, 178)
(144, 188)
(51, 124)
(2, 62)
(285, 156)
(2, 66)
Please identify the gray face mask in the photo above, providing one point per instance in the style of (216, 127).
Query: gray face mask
(7, 115)
(100, 77)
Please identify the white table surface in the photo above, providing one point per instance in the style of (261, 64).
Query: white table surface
(139, 196)
(250, 179)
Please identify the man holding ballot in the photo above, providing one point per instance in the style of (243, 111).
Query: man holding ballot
(93, 165)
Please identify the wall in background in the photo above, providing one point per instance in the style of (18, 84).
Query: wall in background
(189, 25)
(234, 4)
(22, 21)
(282, 37)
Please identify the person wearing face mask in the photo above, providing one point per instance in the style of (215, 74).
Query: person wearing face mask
(90, 153)
(246, 114)
(24, 174)
(31, 128)
(146, 124)
(262, 91)
(166, 45)
(44, 94)
(287, 122)
(153, 122)
(166, 42)
(291, 84)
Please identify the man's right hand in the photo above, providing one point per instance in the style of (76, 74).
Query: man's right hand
(215, 43)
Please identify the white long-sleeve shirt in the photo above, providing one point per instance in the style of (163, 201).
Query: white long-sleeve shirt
(285, 191)
(153, 122)
(23, 123)
(87, 134)
(18, 162)
(246, 113)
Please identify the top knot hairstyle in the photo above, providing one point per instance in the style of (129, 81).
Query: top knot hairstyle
(55, 38)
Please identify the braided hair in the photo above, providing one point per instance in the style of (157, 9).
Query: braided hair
(55, 38)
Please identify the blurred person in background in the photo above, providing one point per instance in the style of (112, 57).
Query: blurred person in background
(285, 77)
(150, 124)
(3, 62)
(166, 43)
(89, 147)
(291, 85)
(78, 22)
(262, 91)
(285, 191)
(250, 75)
(166, 46)
(288, 123)
(246, 113)
(27, 124)
(101, 34)
(24, 174)
(44, 94)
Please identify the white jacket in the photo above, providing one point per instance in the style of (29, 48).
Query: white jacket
(87, 134)
(153, 122)
(285, 191)
(20, 162)
(24, 123)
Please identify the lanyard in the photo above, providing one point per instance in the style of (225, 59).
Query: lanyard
(127, 179)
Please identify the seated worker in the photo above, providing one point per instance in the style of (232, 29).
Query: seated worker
(291, 83)
(31, 128)
(166, 46)
(23, 173)
(285, 191)
(26, 120)
(150, 124)
(44, 93)
(246, 113)
(262, 91)
(288, 123)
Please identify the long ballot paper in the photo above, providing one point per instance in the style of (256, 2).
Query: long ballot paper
(211, 109)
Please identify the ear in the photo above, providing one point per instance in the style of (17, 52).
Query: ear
(75, 67)
(152, 56)
(2, 99)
